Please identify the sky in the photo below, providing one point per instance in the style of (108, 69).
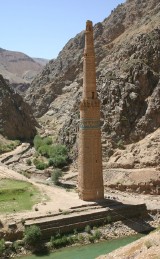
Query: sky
(41, 28)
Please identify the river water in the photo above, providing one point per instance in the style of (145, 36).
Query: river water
(90, 251)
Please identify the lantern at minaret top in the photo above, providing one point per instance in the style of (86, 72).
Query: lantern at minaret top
(89, 69)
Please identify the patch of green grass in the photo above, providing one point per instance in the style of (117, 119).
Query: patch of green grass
(17, 195)
(9, 145)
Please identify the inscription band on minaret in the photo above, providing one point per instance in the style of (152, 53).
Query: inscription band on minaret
(90, 177)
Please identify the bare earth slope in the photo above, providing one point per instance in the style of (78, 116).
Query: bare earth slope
(19, 68)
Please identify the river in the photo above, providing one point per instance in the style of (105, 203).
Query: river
(90, 251)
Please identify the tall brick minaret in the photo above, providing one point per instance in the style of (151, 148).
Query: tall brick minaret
(90, 178)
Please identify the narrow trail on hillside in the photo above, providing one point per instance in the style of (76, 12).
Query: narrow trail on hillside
(14, 155)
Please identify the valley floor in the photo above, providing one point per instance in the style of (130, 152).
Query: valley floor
(56, 199)
(62, 199)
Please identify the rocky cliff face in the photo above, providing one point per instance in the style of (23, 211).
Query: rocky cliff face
(16, 119)
(127, 45)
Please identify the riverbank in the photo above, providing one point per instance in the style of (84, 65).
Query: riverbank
(89, 251)
(108, 231)
(147, 247)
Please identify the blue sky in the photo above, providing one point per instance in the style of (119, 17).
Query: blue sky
(41, 28)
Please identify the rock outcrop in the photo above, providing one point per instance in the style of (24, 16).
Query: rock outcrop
(146, 247)
(16, 118)
(145, 153)
(127, 45)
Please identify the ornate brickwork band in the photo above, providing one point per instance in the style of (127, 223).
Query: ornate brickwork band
(89, 124)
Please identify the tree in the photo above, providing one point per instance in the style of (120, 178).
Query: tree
(32, 236)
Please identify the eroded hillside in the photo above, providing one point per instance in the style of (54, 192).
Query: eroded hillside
(19, 68)
(16, 118)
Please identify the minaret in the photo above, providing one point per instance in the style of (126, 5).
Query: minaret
(90, 178)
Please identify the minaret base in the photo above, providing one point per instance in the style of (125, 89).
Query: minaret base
(91, 195)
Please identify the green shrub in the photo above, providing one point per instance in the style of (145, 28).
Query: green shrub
(47, 141)
(2, 246)
(37, 142)
(59, 161)
(109, 219)
(17, 142)
(71, 240)
(81, 238)
(91, 238)
(97, 234)
(65, 212)
(32, 236)
(88, 229)
(28, 161)
(44, 150)
(57, 154)
(75, 231)
(60, 241)
(17, 245)
(51, 162)
(23, 221)
(120, 144)
(40, 164)
(58, 150)
(57, 173)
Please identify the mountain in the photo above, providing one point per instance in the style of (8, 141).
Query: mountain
(19, 68)
(16, 118)
(41, 61)
(127, 46)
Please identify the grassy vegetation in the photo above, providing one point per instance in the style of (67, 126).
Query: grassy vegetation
(2, 246)
(8, 145)
(57, 173)
(49, 154)
(17, 195)
(61, 240)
